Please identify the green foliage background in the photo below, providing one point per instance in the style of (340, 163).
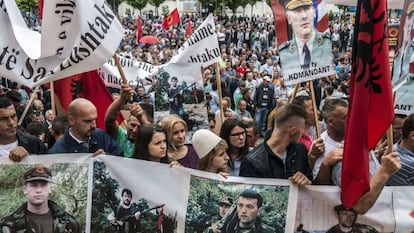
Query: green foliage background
(69, 188)
(104, 199)
(205, 195)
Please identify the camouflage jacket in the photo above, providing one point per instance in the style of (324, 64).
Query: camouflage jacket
(62, 221)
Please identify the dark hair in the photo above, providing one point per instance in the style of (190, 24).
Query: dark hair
(35, 128)
(60, 124)
(408, 126)
(143, 138)
(287, 112)
(250, 193)
(329, 90)
(5, 102)
(341, 207)
(252, 124)
(14, 96)
(226, 128)
(330, 106)
(127, 191)
(300, 100)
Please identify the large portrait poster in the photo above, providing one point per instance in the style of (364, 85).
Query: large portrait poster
(68, 190)
(404, 55)
(305, 51)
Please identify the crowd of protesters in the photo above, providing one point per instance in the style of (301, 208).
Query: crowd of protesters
(255, 106)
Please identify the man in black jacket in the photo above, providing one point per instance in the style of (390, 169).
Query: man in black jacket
(281, 156)
(13, 143)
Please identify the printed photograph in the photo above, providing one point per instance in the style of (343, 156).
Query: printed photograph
(175, 95)
(215, 206)
(32, 193)
(122, 210)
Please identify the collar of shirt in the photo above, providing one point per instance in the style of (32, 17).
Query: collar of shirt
(77, 140)
(300, 45)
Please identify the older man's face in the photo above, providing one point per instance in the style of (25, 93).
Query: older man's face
(301, 20)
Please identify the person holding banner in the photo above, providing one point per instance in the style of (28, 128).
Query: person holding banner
(309, 49)
(125, 137)
(281, 156)
(151, 144)
(83, 136)
(39, 214)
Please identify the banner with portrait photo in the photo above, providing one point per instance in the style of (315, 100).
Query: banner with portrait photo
(404, 52)
(404, 97)
(188, 199)
(166, 199)
(305, 49)
(392, 211)
(77, 36)
(69, 185)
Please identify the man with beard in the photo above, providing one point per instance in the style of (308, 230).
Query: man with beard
(125, 137)
(249, 205)
(347, 222)
(83, 136)
(126, 215)
(39, 214)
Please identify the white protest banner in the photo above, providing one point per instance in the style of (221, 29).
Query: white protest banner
(176, 199)
(201, 47)
(318, 208)
(404, 97)
(143, 73)
(77, 36)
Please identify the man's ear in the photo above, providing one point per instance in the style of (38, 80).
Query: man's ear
(71, 119)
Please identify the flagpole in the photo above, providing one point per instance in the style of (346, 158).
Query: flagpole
(219, 92)
(294, 92)
(52, 97)
(390, 134)
(315, 109)
(121, 71)
(29, 103)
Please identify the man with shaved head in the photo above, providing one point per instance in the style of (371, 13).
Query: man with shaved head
(83, 136)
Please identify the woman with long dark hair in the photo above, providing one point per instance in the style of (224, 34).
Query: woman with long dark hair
(151, 144)
(233, 131)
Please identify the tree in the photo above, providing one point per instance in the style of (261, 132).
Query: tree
(157, 4)
(138, 4)
(27, 5)
(114, 4)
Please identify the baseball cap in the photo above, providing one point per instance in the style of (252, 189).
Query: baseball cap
(38, 173)
(267, 78)
(204, 141)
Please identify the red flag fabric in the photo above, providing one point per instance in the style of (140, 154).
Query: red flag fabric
(370, 110)
(139, 29)
(189, 29)
(159, 222)
(171, 19)
(40, 8)
(87, 85)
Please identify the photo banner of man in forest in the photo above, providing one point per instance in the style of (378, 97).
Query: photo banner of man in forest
(107, 194)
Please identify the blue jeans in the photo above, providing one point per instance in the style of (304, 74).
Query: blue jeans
(260, 117)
